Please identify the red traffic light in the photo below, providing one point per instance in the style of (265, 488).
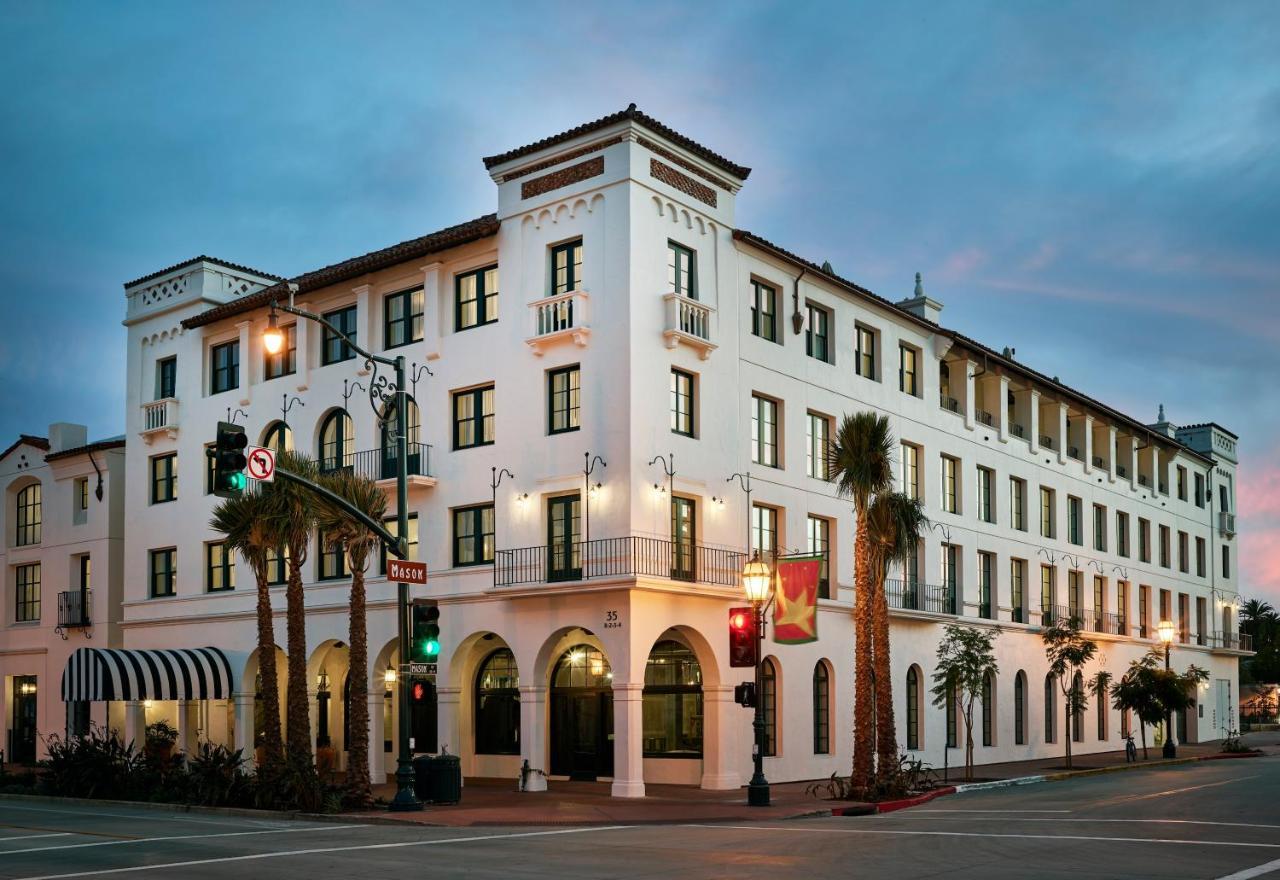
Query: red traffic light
(742, 637)
(738, 620)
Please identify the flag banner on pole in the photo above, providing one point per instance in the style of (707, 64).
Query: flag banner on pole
(795, 610)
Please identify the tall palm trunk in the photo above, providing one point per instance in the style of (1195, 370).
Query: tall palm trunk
(863, 730)
(298, 721)
(269, 679)
(358, 783)
(886, 735)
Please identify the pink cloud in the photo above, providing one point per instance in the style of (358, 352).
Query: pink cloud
(1259, 495)
(962, 263)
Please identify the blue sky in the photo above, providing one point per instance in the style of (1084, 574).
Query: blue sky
(1097, 185)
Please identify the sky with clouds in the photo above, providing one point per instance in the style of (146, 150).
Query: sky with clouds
(1097, 185)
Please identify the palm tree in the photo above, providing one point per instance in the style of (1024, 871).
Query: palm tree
(859, 462)
(247, 527)
(344, 533)
(894, 524)
(1257, 617)
(292, 515)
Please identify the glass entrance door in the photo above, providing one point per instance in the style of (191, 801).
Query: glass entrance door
(684, 537)
(564, 539)
(582, 715)
(22, 736)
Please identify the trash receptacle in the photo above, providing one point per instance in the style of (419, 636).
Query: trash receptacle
(446, 779)
(423, 772)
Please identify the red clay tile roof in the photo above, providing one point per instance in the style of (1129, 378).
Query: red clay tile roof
(415, 248)
(739, 171)
(30, 440)
(97, 446)
(202, 258)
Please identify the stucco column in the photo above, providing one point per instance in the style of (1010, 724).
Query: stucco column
(719, 745)
(243, 734)
(1153, 452)
(313, 713)
(188, 725)
(448, 717)
(1113, 451)
(1033, 437)
(1133, 462)
(437, 310)
(247, 358)
(970, 393)
(1002, 418)
(533, 734)
(628, 739)
(135, 723)
(303, 333)
(377, 702)
(1062, 433)
(1088, 444)
(364, 324)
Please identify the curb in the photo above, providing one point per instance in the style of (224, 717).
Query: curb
(242, 812)
(998, 783)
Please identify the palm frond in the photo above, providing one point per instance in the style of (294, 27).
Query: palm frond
(860, 458)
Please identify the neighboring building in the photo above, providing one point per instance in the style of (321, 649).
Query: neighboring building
(612, 309)
(63, 526)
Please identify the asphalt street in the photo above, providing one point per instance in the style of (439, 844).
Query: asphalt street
(1216, 819)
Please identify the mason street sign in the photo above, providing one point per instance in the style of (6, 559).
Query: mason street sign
(403, 571)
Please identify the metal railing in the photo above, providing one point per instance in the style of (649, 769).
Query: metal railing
(617, 557)
(1074, 452)
(915, 596)
(74, 607)
(380, 464)
(1046, 441)
(948, 403)
(1098, 462)
(1050, 616)
(1018, 431)
(1108, 622)
(985, 417)
(1122, 471)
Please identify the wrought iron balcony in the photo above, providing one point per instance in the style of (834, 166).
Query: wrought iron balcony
(1108, 622)
(1050, 616)
(1226, 641)
(915, 596)
(159, 417)
(1017, 430)
(948, 403)
(1046, 441)
(689, 321)
(380, 464)
(74, 609)
(1122, 471)
(986, 418)
(618, 557)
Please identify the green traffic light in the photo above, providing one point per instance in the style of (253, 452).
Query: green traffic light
(237, 481)
(431, 647)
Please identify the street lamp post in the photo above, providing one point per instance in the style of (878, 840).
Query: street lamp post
(380, 392)
(1165, 629)
(757, 580)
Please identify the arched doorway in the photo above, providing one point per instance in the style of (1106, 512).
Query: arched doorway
(582, 714)
(673, 720)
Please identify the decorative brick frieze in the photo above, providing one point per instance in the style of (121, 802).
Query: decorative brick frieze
(556, 160)
(683, 182)
(683, 163)
(565, 176)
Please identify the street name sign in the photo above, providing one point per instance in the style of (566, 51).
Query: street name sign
(403, 571)
(418, 668)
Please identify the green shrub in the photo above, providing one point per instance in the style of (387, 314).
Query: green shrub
(217, 779)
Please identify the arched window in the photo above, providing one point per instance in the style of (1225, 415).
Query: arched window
(989, 709)
(1020, 708)
(1050, 709)
(1077, 713)
(1126, 724)
(337, 441)
(913, 708)
(582, 667)
(497, 726)
(278, 437)
(390, 431)
(672, 702)
(821, 709)
(28, 515)
(769, 704)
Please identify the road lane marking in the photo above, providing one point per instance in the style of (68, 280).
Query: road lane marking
(14, 852)
(327, 850)
(34, 836)
(1018, 812)
(907, 814)
(149, 815)
(1173, 791)
(1256, 871)
(901, 833)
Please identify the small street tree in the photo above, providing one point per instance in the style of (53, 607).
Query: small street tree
(1068, 650)
(965, 659)
(1135, 692)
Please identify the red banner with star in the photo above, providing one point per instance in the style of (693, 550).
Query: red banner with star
(795, 609)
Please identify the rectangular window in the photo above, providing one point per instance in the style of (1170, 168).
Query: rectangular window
(285, 361)
(402, 318)
(164, 478)
(1144, 611)
(333, 558)
(1046, 512)
(950, 577)
(817, 440)
(1122, 608)
(1184, 552)
(277, 567)
(1200, 620)
(1073, 520)
(764, 530)
(986, 562)
(908, 370)
(475, 298)
(1199, 490)
(86, 571)
(224, 372)
(1166, 559)
(1018, 590)
(166, 378)
(566, 267)
(1144, 540)
(1099, 528)
(682, 276)
(819, 528)
(1048, 575)
(682, 401)
(392, 525)
(817, 334)
(1099, 602)
(563, 399)
(1200, 566)
(1122, 533)
(219, 567)
(1075, 589)
(764, 311)
(473, 417)
(1018, 503)
(911, 471)
(764, 431)
(333, 348)
(865, 360)
(27, 593)
(1226, 561)
(986, 510)
(82, 494)
(1182, 483)
(473, 535)
(163, 572)
(950, 489)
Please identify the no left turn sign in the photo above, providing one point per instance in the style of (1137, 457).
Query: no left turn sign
(262, 464)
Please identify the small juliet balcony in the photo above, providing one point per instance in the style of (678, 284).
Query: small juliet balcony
(74, 608)
(159, 417)
(380, 465)
(557, 319)
(688, 321)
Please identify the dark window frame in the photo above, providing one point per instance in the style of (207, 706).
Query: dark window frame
(865, 359)
(413, 320)
(225, 568)
(489, 735)
(478, 418)
(169, 572)
(285, 361)
(224, 366)
(485, 300)
(678, 417)
(817, 333)
(333, 348)
(564, 404)
(675, 252)
(481, 541)
(904, 374)
(164, 486)
(166, 377)
(572, 267)
(26, 592)
(821, 709)
(331, 563)
(29, 516)
(764, 311)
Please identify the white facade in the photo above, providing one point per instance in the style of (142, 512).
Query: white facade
(63, 528)
(628, 188)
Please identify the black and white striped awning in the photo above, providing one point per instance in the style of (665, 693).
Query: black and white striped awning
(171, 674)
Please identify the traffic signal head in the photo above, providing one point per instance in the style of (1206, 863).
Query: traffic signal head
(229, 460)
(742, 637)
(426, 632)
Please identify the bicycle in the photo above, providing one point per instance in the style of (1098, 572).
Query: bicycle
(1130, 750)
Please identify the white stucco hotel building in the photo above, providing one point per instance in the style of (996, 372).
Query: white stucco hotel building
(612, 314)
